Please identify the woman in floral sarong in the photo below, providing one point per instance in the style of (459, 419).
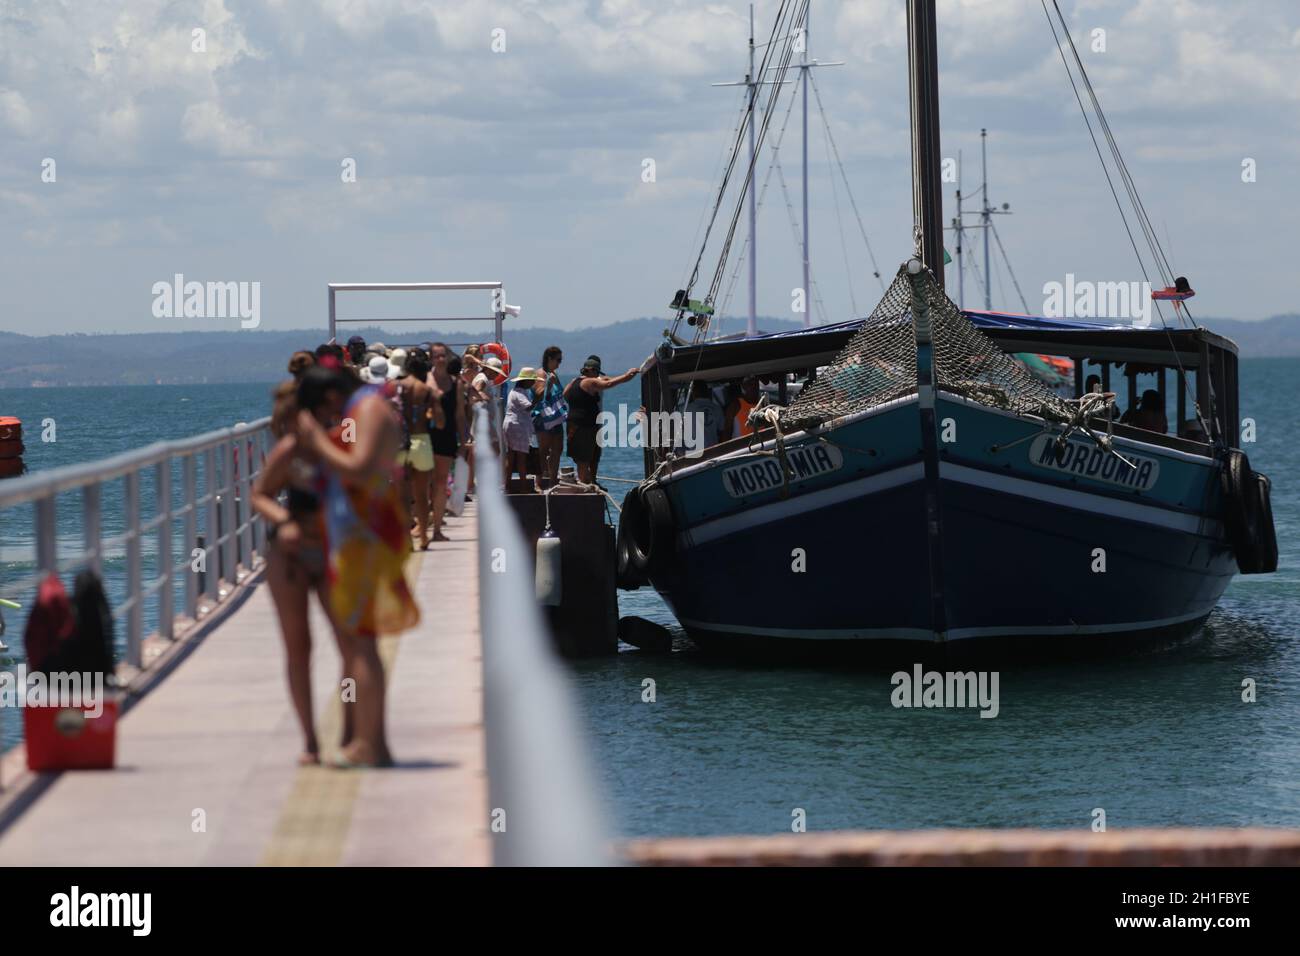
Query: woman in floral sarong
(365, 535)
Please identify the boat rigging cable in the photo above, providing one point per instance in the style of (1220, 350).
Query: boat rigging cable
(1148, 230)
(722, 155)
(875, 269)
(1011, 272)
(786, 55)
(773, 166)
(790, 19)
(1153, 243)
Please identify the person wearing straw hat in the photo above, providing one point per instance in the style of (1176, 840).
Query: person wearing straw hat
(517, 427)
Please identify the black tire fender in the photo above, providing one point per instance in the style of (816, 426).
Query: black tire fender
(663, 529)
(1241, 515)
(1267, 533)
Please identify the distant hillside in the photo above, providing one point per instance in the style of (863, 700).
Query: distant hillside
(259, 356)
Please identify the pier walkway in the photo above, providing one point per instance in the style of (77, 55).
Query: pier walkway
(206, 768)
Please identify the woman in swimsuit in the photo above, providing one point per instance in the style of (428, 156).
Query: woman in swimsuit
(295, 564)
(449, 436)
(366, 538)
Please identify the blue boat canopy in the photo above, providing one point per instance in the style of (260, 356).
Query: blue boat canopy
(1074, 338)
(982, 320)
(1011, 320)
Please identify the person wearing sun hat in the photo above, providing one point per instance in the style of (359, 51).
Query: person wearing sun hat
(376, 371)
(517, 428)
(397, 359)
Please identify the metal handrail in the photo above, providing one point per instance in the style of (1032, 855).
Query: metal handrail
(538, 775)
(233, 538)
(497, 317)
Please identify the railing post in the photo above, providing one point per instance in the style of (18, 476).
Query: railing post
(163, 497)
(90, 527)
(191, 537)
(134, 592)
(47, 544)
(259, 535)
(212, 553)
(230, 529)
(245, 486)
(333, 321)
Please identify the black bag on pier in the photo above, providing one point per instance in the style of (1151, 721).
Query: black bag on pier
(88, 649)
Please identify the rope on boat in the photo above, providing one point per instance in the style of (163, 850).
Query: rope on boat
(582, 486)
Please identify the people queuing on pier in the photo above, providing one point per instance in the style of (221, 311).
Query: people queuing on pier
(366, 437)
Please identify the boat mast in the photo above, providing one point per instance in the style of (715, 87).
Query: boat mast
(923, 83)
(985, 214)
(803, 75)
(927, 203)
(985, 218)
(752, 82)
(961, 236)
(805, 65)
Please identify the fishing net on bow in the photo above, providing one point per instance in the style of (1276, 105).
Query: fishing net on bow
(878, 364)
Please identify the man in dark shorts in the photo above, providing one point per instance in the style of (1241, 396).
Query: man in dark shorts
(584, 397)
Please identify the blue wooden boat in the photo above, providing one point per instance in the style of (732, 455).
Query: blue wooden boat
(908, 480)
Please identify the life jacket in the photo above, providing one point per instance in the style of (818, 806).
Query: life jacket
(742, 426)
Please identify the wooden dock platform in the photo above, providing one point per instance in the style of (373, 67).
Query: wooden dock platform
(206, 771)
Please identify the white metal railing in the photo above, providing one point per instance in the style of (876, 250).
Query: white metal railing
(496, 317)
(232, 539)
(537, 771)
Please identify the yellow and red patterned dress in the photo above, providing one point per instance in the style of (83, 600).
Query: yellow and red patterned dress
(367, 542)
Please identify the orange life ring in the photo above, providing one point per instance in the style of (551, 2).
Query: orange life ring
(10, 427)
(500, 351)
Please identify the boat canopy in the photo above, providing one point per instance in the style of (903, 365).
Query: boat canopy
(1073, 338)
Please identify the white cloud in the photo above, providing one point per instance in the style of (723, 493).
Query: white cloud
(464, 154)
(15, 115)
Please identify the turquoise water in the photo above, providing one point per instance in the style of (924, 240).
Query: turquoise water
(1154, 737)
(88, 424)
(1157, 736)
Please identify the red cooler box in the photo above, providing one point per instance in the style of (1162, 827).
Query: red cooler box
(68, 738)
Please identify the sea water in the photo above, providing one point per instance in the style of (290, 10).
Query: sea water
(1158, 736)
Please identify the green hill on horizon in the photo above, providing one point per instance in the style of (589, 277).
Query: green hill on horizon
(257, 355)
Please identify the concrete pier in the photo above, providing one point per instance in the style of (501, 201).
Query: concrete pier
(206, 771)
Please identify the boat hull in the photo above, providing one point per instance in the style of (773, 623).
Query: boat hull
(1029, 550)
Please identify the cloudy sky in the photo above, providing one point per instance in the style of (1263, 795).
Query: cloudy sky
(525, 164)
